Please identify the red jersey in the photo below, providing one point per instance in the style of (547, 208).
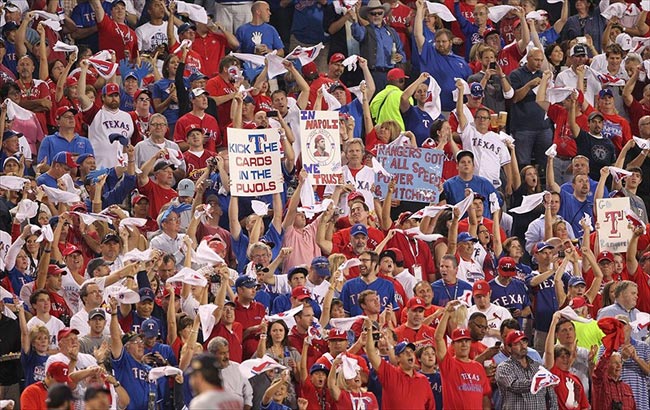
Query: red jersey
(36, 90)
(117, 37)
(641, 279)
(422, 335)
(506, 28)
(563, 138)
(562, 391)
(218, 87)
(140, 127)
(318, 399)
(192, 61)
(34, 396)
(509, 57)
(58, 305)
(349, 400)
(400, 388)
(195, 164)
(636, 111)
(209, 125)
(211, 49)
(158, 196)
(415, 252)
(248, 317)
(463, 383)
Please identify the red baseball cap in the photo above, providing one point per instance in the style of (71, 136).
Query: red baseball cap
(70, 249)
(337, 58)
(395, 74)
(60, 372)
(55, 270)
(354, 195)
(111, 88)
(309, 69)
(460, 334)
(63, 109)
(481, 287)
(337, 334)
(605, 256)
(515, 336)
(142, 91)
(177, 292)
(137, 199)
(416, 303)
(507, 267)
(71, 81)
(65, 332)
(300, 293)
(578, 302)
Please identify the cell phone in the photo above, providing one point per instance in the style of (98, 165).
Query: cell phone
(581, 40)
(561, 254)
(493, 65)
(497, 344)
(273, 114)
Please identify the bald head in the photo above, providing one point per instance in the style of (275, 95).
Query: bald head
(535, 59)
(644, 125)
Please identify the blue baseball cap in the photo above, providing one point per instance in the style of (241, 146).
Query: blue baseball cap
(245, 281)
(357, 229)
(605, 93)
(476, 90)
(318, 367)
(197, 75)
(402, 346)
(150, 328)
(146, 294)
(544, 245)
(576, 281)
(321, 265)
(297, 269)
(465, 237)
(81, 158)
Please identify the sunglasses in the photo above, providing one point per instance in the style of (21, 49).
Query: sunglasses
(376, 13)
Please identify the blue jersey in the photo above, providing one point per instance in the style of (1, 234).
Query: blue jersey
(84, 17)
(33, 366)
(282, 303)
(239, 247)
(133, 376)
(513, 296)
(417, 121)
(307, 15)
(352, 289)
(272, 235)
(443, 293)
(268, 34)
(161, 90)
(436, 387)
(55, 143)
(573, 210)
(18, 279)
(168, 354)
(355, 109)
(545, 301)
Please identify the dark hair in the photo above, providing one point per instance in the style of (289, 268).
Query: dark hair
(165, 67)
(446, 32)
(474, 315)
(34, 296)
(8, 87)
(435, 128)
(441, 223)
(227, 61)
(285, 341)
(606, 300)
(562, 321)
(374, 256)
(509, 324)
(549, 50)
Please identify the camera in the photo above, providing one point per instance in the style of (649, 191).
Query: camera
(493, 65)
(271, 114)
(561, 254)
(215, 278)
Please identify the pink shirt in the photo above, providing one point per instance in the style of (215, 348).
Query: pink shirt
(304, 245)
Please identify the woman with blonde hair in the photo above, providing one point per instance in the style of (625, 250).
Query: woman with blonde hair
(34, 345)
(344, 382)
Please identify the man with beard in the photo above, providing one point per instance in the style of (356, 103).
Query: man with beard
(515, 376)
(353, 248)
(367, 280)
(104, 120)
(223, 89)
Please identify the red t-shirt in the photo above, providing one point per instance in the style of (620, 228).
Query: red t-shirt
(641, 279)
(34, 396)
(158, 196)
(348, 400)
(211, 49)
(210, 130)
(562, 391)
(428, 311)
(117, 37)
(192, 61)
(617, 129)
(636, 111)
(563, 138)
(234, 339)
(400, 388)
(317, 84)
(342, 237)
(248, 317)
(36, 90)
(195, 164)
(316, 350)
(218, 87)
(400, 18)
(415, 252)
(463, 383)
(315, 396)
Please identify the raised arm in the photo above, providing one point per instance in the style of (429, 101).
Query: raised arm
(540, 97)
(116, 331)
(549, 345)
(371, 349)
(460, 112)
(418, 25)
(453, 232)
(233, 217)
(441, 329)
(405, 99)
(323, 242)
(99, 13)
(303, 97)
(550, 176)
(564, 16)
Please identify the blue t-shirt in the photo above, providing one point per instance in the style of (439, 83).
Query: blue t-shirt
(84, 17)
(307, 15)
(549, 36)
(268, 33)
(436, 387)
(48, 180)
(272, 405)
(545, 300)
(10, 60)
(33, 366)
(133, 376)
(418, 122)
(127, 102)
(18, 279)
(355, 109)
(160, 90)
(443, 293)
(454, 189)
(513, 296)
(239, 247)
(573, 210)
(353, 287)
(272, 235)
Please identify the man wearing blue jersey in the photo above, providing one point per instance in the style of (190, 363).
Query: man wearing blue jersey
(449, 287)
(127, 353)
(509, 292)
(368, 280)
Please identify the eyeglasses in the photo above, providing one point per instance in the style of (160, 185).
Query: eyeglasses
(157, 124)
(172, 219)
(376, 13)
(481, 117)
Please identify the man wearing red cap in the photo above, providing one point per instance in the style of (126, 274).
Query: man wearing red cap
(62, 163)
(385, 105)
(515, 376)
(34, 395)
(494, 314)
(414, 330)
(49, 277)
(65, 139)
(298, 333)
(105, 119)
(466, 384)
(69, 353)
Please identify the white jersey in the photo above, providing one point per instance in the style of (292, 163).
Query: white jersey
(470, 271)
(363, 183)
(495, 314)
(105, 123)
(318, 292)
(408, 282)
(53, 326)
(490, 154)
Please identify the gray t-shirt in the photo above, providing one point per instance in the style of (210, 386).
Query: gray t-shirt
(87, 344)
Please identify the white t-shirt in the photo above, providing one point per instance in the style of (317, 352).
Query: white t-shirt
(490, 154)
(408, 282)
(495, 315)
(150, 36)
(70, 289)
(470, 271)
(53, 326)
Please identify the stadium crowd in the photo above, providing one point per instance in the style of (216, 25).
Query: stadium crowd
(134, 276)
